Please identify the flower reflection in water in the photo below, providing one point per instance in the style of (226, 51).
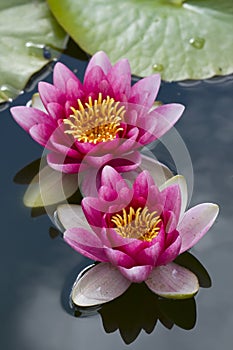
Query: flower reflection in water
(140, 309)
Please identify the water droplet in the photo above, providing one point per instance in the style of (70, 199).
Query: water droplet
(47, 52)
(198, 42)
(158, 67)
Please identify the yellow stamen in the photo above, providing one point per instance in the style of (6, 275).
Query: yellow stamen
(140, 224)
(96, 121)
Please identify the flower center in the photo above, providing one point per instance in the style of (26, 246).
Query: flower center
(96, 121)
(140, 224)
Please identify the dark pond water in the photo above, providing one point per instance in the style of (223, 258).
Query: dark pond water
(38, 268)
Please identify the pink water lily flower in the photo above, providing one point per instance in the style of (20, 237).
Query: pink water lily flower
(98, 121)
(136, 233)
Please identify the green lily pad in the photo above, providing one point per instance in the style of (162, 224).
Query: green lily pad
(179, 39)
(30, 38)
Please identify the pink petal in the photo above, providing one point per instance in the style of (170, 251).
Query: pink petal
(165, 117)
(62, 143)
(129, 142)
(92, 209)
(136, 274)
(118, 258)
(120, 79)
(143, 192)
(144, 92)
(50, 93)
(173, 281)
(128, 246)
(195, 223)
(74, 90)
(128, 162)
(107, 194)
(41, 133)
(86, 243)
(61, 75)
(97, 162)
(100, 284)
(172, 250)
(99, 59)
(95, 82)
(149, 256)
(64, 164)
(84, 147)
(27, 117)
(56, 111)
(110, 177)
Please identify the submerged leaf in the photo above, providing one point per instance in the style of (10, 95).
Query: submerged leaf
(29, 39)
(179, 39)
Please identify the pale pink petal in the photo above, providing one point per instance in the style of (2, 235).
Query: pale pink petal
(99, 59)
(181, 182)
(89, 182)
(144, 92)
(171, 197)
(170, 221)
(27, 117)
(159, 171)
(71, 215)
(86, 243)
(100, 284)
(173, 281)
(195, 223)
(136, 274)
